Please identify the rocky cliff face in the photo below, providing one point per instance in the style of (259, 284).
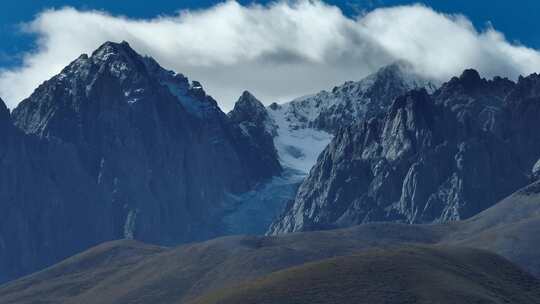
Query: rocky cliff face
(51, 207)
(117, 147)
(432, 158)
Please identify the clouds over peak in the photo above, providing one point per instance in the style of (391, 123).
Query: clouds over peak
(277, 51)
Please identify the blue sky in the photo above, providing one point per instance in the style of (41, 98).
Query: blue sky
(518, 20)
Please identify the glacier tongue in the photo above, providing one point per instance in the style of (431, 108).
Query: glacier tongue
(298, 149)
(253, 212)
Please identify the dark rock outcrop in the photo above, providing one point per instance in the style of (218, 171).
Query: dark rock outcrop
(255, 134)
(432, 158)
(117, 147)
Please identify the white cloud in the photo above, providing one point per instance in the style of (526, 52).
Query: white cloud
(279, 51)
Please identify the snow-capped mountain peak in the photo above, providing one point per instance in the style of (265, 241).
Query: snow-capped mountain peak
(136, 75)
(112, 49)
(355, 100)
(305, 125)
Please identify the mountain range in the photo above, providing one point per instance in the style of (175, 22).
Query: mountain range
(430, 158)
(123, 181)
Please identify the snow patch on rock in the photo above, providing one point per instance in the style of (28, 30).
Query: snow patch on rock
(298, 146)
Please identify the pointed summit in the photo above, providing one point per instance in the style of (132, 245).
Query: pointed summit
(247, 96)
(116, 59)
(252, 121)
(119, 58)
(248, 108)
(112, 77)
(248, 99)
(112, 48)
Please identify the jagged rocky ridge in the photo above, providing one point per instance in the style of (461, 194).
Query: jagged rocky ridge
(115, 147)
(431, 158)
(353, 101)
(306, 125)
(299, 138)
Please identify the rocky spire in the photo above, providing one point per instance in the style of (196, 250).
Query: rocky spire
(252, 121)
(248, 108)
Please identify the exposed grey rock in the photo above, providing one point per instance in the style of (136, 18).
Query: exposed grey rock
(117, 147)
(432, 158)
(354, 101)
(305, 126)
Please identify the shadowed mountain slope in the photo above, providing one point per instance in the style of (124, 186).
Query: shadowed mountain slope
(186, 272)
(114, 147)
